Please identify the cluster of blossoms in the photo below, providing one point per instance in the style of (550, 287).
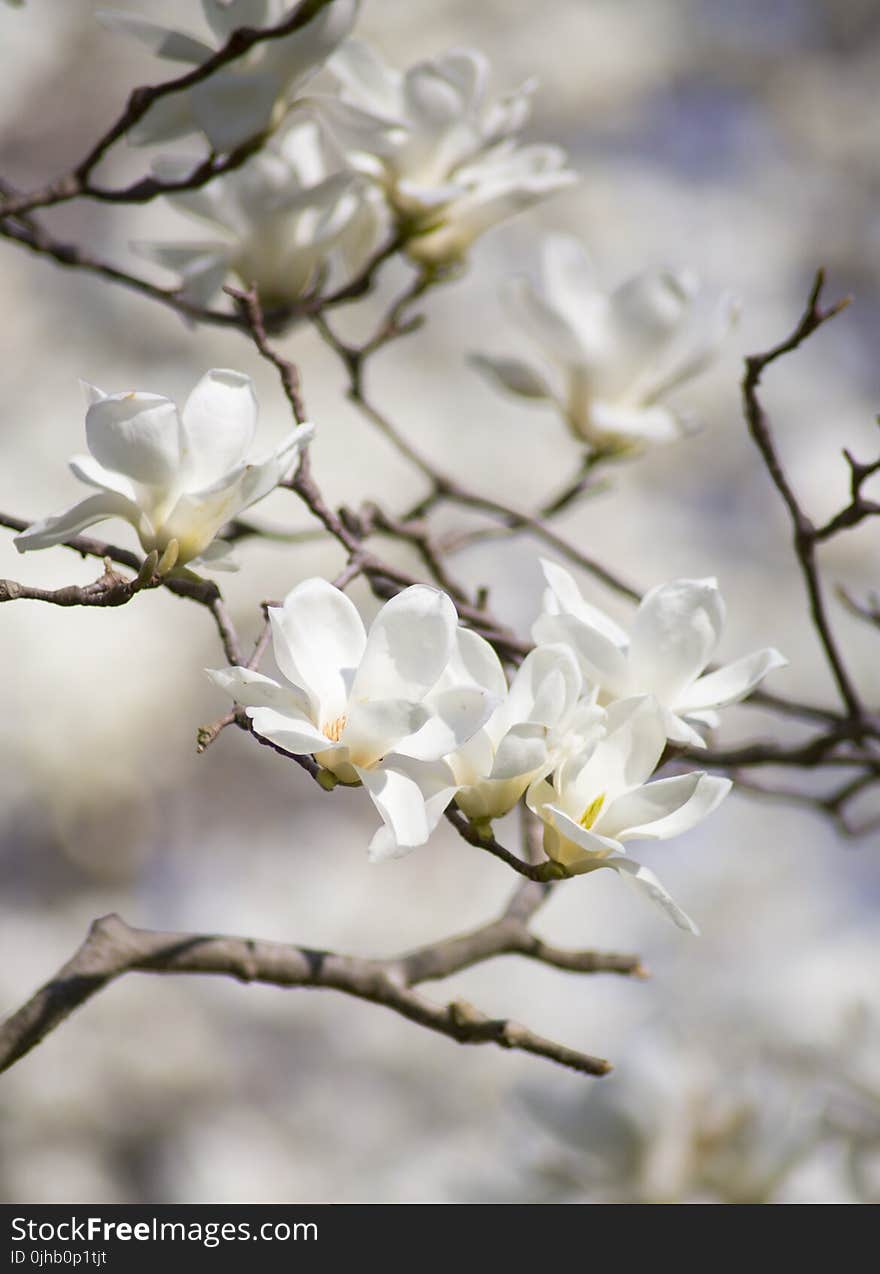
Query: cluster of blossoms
(615, 355)
(422, 155)
(419, 711)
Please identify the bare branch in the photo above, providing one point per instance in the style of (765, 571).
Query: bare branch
(112, 948)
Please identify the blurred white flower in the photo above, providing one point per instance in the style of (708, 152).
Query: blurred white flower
(250, 94)
(177, 477)
(601, 798)
(373, 708)
(282, 216)
(447, 159)
(523, 739)
(617, 355)
(674, 635)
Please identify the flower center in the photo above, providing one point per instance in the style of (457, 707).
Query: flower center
(333, 729)
(592, 812)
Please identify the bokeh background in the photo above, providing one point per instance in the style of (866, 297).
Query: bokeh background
(736, 138)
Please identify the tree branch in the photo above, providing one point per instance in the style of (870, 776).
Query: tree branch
(112, 948)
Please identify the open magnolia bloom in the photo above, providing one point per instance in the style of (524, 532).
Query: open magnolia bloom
(542, 713)
(616, 355)
(373, 708)
(282, 216)
(249, 95)
(445, 157)
(674, 635)
(600, 798)
(176, 476)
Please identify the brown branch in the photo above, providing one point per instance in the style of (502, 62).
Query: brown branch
(111, 589)
(112, 948)
(78, 184)
(806, 535)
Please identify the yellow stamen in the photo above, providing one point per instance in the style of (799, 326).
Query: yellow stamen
(334, 729)
(592, 812)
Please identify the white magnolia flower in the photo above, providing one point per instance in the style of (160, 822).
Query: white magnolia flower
(250, 94)
(542, 713)
(282, 216)
(672, 639)
(446, 158)
(177, 477)
(373, 708)
(616, 355)
(600, 798)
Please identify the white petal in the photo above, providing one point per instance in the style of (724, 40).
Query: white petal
(295, 735)
(569, 599)
(644, 315)
(546, 686)
(522, 751)
(402, 809)
(319, 641)
(219, 420)
(167, 119)
(91, 393)
(619, 761)
(231, 107)
(136, 434)
(732, 682)
(364, 75)
(455, 717)
(513, 374)
(542, 320)
(411, 799)
(376, 728)
(578, 846)
(674, 634)
(647, 883)
(226, 16)
(474, 663)
(668, 807)
(253, 690)
(95, 508)
(601, 661)
(87, 469)
(568, 275)
(410, 642)
(177, 46)
(295, 57)
(624, 423)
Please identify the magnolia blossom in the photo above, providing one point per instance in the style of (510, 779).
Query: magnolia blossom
(176, 476)
(375, 708)
(446, 158)
(539, 716)
(280, 217)
(600, 798)
(674, 635)
(616, 355)
(250, 94)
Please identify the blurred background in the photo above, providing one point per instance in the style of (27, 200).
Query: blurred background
(735, 138)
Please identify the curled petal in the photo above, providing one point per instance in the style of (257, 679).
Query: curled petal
(254, 690)
(61, 527)
(665, 808)
(136, 434)
(647, 883)
(296, 735)
(731, 683)
(674, 634)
